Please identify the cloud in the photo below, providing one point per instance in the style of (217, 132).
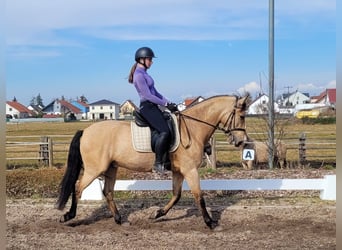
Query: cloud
(331, 85)
(252, 88)
(30, 21)
(315, 89)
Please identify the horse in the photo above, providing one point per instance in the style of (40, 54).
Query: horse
(261, 156)
(103, 147)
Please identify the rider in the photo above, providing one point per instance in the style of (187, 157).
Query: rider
(150, 98)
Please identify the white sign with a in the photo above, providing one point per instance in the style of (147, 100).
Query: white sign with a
(248, 154)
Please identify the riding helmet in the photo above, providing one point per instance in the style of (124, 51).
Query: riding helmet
(144, 52)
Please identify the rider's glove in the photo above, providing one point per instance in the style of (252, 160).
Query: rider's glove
(172, 107)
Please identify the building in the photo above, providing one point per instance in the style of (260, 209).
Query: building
(103, 110)
(36, 109)
(126, 109)
(328, 97)
(83, 107)
(62, 108)
(260, 106)
(16, 110)
(292, 99)
(190, 101)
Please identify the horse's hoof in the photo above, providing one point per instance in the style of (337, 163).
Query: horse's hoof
(158, 213)
(61, 220)
(213, 224)
(117, 219)
(66, 217)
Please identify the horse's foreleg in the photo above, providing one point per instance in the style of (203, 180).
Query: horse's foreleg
(177, 181)
(193, 181)
(108, 192)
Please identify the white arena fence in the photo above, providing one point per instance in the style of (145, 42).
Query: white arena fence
(326, 186)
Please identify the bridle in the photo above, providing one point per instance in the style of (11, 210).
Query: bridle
(228, 126)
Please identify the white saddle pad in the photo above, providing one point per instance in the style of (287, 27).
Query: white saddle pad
(141, 137)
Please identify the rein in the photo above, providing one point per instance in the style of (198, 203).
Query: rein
(230, 121)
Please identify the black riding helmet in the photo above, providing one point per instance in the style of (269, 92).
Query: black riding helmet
(144, 52)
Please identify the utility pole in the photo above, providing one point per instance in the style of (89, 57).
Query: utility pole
(288, 89)
(271, 86)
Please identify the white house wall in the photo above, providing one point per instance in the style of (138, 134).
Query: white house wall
(260, 106)
(12, 111)
(104, 112)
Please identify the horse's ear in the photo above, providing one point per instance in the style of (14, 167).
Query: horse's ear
(245, 101)
(248, 100)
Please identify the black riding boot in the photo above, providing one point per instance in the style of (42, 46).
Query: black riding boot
(161, 147)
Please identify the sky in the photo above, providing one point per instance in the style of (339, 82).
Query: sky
(203, 48)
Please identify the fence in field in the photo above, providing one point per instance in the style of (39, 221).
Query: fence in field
(50, 149)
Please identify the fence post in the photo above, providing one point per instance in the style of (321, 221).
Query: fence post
(302, 149)
(50, 151)
(46, 151)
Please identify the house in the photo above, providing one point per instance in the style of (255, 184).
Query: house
(326, 100)
(292, 99)
(126, 109)
(103, 110)
(328, 97)
(84, 107)
(260, 106)
(62, 108)
(190, 101)
(16, 110)
(36, 109)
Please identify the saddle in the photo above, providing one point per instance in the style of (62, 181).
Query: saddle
(144, 136)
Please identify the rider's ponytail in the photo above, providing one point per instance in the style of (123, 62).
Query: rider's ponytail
(130, 77)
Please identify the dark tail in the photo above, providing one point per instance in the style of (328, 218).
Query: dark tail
(72, 171)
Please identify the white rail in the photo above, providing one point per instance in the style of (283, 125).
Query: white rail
(326, 185)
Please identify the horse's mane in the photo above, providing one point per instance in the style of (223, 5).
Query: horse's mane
(209, 99)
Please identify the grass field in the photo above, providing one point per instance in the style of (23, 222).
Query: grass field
(321, 139)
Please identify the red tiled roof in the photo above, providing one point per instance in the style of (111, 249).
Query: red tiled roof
(69, 106)
(18, 106)
(331, 93)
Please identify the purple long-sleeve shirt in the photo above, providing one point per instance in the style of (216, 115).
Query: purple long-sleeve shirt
(145, 87)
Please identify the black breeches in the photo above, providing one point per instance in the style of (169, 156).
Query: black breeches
(154, 116)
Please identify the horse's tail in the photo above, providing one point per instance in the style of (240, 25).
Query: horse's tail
(72, 172)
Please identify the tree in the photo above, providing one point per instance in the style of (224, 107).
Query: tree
(39, 100)
(83, 99)
(33, 101)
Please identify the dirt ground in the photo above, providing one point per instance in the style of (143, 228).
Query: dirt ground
(249, 223)
(247, 220)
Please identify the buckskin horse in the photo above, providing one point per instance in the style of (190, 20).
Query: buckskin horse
(103, 147)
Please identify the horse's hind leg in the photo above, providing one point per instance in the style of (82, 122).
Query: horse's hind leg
(108, 191)
(177, 181)
(80, 185)
(193, 181)
(72, 211)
